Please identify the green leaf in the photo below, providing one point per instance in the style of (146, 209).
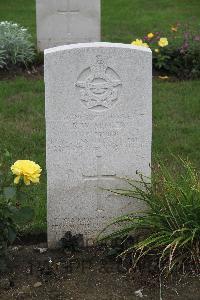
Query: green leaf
(11, 235)
(9, 193)
(13, 209)
(21, 196)
(24, 215)
(1, 177)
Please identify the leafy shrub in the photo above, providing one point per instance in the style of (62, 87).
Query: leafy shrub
(16, 47)
(184, 65)
(13, 211)
(172, 221)
(180, 55)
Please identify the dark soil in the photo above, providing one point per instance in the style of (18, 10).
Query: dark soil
(34, 72)
(87, 274)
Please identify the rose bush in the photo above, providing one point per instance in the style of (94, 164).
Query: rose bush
(175, 53)
(13, 209)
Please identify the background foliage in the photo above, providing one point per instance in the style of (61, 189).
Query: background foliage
(16, 47)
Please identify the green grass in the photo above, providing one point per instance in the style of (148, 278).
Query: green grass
(176, 119)
(176, 107)
(122, 20)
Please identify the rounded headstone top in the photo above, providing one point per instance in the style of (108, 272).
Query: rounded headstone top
(95, 45)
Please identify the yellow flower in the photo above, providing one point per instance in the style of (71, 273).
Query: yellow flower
(26, 169)
(157, 50)
(138, 42)
(150, 35)
(163, 42)
(174, 28)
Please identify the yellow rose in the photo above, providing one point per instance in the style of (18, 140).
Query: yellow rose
(163, 42)
(138, 42)
(157, 50)
(150, 35)
(26, 169)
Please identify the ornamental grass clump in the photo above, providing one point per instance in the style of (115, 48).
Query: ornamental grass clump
(14, 212)
(171, 222)
(16, 46)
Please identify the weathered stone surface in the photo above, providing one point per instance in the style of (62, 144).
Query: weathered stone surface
(67, 21)
(99, 123)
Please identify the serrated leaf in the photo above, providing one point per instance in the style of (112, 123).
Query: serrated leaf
(9, 193)
(22, 196)
(11, 235)
(13, 209)
(24, 215)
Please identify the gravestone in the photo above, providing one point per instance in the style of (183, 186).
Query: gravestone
(67, 21)
(98, 125)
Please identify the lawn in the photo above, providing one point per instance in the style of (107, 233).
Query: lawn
(176, 105)
(122, 20)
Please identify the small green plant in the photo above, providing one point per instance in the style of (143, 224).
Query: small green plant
(171, 222)
(16, 47)
(13, 210)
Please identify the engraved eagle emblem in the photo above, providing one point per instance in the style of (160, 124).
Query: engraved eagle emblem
(99, 86)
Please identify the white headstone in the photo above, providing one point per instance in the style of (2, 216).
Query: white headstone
(99, 124)
(67, 21)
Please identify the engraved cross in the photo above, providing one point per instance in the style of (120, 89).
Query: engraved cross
(97, 178)
(68, 13)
